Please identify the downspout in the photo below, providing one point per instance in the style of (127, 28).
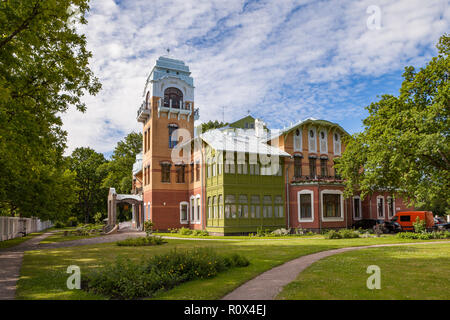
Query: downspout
(319, 213)
(201, 185)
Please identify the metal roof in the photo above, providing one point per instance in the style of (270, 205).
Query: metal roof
(243, 141)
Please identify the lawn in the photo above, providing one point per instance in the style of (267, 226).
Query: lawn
(43, 273)
(60, 237)
(14, 242)
(184, 236)
(412, 272)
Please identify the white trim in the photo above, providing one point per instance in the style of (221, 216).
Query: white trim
(299, 138)
(311, 192)
(188, 205)
(326, 219)
(393, 206)
(198, 213)
(337, 147)
(384, 209)
(360, 208)
(192, 212)
(312, 139)
(325, 139)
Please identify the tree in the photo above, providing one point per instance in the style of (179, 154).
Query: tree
(43, 70)
(405, 147)
(212, 125)
(119, 169)
(92, 196)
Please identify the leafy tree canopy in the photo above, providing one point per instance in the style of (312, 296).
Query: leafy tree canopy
(119, 169)
(212, 125)
(92, 197)
(405, 147)
(43, 70)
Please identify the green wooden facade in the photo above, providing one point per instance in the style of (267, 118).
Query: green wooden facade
(242, 199)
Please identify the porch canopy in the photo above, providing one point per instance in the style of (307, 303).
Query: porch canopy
(114, 199)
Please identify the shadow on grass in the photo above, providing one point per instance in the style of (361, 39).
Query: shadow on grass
(416, 272)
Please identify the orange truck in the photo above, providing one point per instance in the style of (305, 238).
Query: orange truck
(406, 219)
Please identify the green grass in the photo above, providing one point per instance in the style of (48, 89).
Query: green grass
(43, 273)
(181, 236)
(14, 242)
(413, 272)
(60, 237)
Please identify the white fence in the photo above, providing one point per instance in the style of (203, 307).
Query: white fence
(12, 227)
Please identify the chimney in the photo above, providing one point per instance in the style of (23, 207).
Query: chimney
(260, 132)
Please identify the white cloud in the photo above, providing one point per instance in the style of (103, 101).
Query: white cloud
(283, 60)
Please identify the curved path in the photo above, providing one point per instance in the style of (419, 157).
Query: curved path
(11, 258)
(10, 264)
(267, 285)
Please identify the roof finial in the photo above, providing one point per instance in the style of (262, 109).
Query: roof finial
(168, 51)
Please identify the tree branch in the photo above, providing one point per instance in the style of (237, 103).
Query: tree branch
(23, 26)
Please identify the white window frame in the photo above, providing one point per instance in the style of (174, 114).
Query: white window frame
(198, 209)
(324, 139)
(188, 209)
(360, 208)
(299, 137)
(328, 219)
(314, 138)
(393, 206)
(192, 212)
(311, 192)
(336, 151)
(384, 209)
(147, 216)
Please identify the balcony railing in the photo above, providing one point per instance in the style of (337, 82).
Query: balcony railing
(316, 178)
(143, 113)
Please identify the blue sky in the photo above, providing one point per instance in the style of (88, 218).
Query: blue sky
(284, 60)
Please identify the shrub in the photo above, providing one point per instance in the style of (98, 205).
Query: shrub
(141, 241)
(333, 234)
(148, 227)
(126, 279)
(201, 233)
(98, 218)
(419, 225)
(185, 231)
(280, 232)
(342, 234)
(424, 235)
(72, 222)
(59, 225)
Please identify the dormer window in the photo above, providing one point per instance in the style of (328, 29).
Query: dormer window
(298, 140)
(173, 98)
(337, 144)
(312, 140)
(323, 142)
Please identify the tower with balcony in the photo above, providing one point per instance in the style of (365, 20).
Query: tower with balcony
(168, 105)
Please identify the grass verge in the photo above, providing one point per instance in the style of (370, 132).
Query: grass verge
(43, 273)
(412, 272)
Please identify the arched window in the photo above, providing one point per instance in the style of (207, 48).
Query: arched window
(312, 140)
(297, 140)
(147, 101)
(337, 144)
(173, 98)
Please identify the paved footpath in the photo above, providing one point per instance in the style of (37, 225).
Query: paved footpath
(267, 285)
(11, 258)
(10, 264)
